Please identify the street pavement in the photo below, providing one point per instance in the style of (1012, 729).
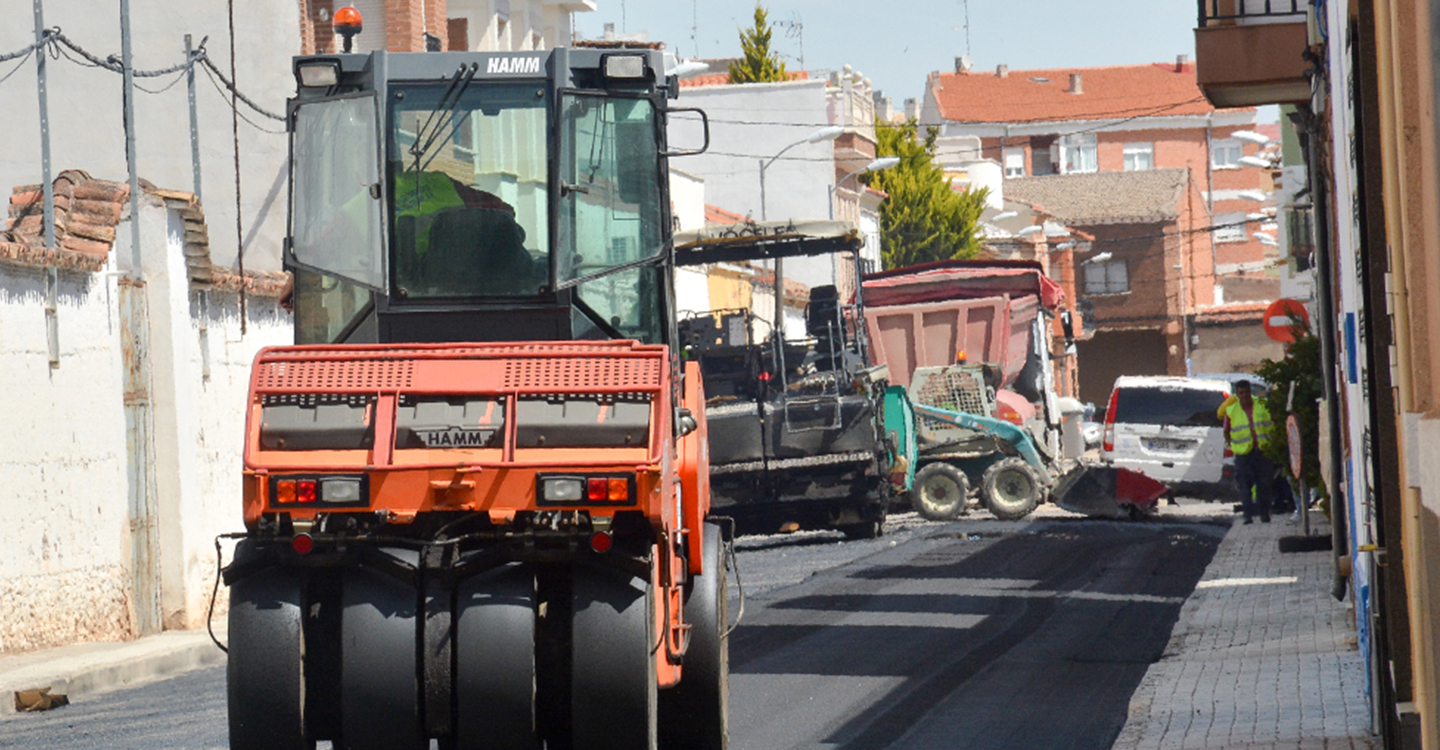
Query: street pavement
(1260, 657)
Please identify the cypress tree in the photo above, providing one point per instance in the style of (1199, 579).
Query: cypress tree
(923, 219)
(760, 64)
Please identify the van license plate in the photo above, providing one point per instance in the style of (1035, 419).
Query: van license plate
(1169, 445)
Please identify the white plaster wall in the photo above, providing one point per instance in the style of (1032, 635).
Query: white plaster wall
(85, 108)
(692, 290)
(687, 201)
(65, 575)
(750, 123)
(199, 420)
(62, 464)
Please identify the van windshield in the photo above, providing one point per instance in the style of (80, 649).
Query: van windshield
(1168, 405)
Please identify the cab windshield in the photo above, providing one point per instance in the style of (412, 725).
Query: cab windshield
(468, 185)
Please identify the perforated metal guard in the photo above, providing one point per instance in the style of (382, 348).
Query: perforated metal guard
(582, 373)
(954, 388)
(336, 374)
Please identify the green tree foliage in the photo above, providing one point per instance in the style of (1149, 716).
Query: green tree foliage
(923, 220)
(760, 64)
(1301, 367)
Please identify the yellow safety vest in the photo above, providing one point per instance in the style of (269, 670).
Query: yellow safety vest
(1241, 439)
(436, 191)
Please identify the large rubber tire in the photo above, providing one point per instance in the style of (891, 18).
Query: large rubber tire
(695, 713)
(1011, 489)
(613, 690)
(941, 492)
(495, 661)
(379, 691)
(265, 673)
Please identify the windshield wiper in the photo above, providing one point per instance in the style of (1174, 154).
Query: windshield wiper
(425, 137)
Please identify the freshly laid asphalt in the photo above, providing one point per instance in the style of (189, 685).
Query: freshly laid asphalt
(1054, 632)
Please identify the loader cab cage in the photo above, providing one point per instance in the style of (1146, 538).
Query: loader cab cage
(479, 197)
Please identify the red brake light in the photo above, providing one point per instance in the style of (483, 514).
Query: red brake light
(305, 491)
(1229, 453)
(1109, 443)
(601, 541)
(302, 544)
(597, 489)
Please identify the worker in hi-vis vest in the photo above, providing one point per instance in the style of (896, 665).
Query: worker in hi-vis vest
(1247, 431)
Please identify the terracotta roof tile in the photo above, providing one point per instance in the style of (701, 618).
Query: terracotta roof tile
(717, 215)
(1104, 197)
(723, 79)
(1043, 95)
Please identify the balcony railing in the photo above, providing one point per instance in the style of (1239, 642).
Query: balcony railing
(1233, 12)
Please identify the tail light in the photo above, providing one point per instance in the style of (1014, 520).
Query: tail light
(1109, 444)
(601, 541)
(341, 490)
(302, 544)
(1229, 453)
(608, 489)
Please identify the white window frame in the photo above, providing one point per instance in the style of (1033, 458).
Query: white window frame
(1079, 153)
(1224, 233)
(1225, 153)
(1139, 157)
(1106, 277)
(1014, 162)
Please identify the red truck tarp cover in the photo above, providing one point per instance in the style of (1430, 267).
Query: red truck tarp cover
(961, 279)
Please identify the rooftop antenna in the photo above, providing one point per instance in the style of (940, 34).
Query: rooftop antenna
(966, 3)
(695, 25)
(795, 29)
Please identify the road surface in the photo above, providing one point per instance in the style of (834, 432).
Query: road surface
(976, 633)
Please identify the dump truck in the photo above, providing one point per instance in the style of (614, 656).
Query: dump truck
(966, 345)
(795, 417)
(476, 504)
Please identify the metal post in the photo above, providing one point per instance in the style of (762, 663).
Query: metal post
(194, 119)
(763, 217)
(127, 61)
(46, 186)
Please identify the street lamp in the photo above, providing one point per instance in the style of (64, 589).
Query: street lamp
(828, 133)
(884, 162)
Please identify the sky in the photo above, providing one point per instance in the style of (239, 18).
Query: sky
(897, 44)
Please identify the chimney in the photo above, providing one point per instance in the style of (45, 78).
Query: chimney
(610, 32)
(1180, 62)
(962, 64)
(1002, 71)
(912, 109)
(1075, 87)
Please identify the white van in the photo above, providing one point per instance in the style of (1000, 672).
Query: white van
(1167, 429)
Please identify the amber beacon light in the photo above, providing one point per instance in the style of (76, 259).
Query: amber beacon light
(347, 23)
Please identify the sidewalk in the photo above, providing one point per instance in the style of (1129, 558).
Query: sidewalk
(89, 668)
(1261, 657)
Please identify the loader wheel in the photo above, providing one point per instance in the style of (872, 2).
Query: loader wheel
(1011, 489)
(495, 661)
(695, 713)
(379, 693)
(265, 674)
(613, 691)
(941, 492)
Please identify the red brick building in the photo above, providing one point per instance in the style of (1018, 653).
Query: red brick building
(1137, 158)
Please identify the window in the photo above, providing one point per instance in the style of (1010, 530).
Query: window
(1226, 153)
(1014, 162)
(469, 188)
(1163, 405)
(1078, 153)
(1229, 227)
(1106, 277)
(1139, 157)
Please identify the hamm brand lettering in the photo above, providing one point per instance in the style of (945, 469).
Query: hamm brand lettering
(455, 438)
(513, 65)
